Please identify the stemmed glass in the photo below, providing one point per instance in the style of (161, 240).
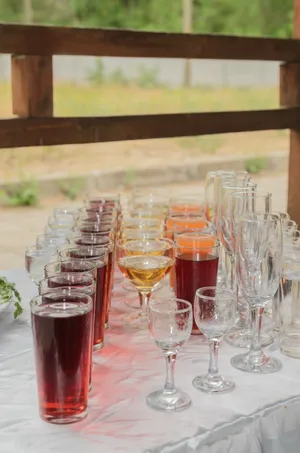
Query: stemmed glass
(144, 263)
(259, 270)
(170, 325)
(242, 203)
(214, 314)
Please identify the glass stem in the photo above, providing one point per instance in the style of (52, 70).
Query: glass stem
(169, 386)
(256, 354)
(213, 369)
(144, 302)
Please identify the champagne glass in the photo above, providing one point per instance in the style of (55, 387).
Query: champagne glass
(144, 263)
(214, 314)
(209, 191)
(170, 324)
(259, 270)
(242, 203)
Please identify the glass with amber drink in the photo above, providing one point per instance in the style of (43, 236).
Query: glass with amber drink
(196, 265)
(144, 263)
(62, 323)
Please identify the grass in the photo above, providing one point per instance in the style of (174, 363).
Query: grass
(89, 100)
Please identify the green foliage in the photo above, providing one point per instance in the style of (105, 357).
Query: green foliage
(258, 17)
(147, 78)
(23, 194)
(256, 165)
(118, 77)
(71, 189)
(97, 75)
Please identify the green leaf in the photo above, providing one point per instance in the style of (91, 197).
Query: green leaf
(8, 290)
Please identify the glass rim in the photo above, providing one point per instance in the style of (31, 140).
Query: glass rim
(55, 263)
(34, 302)
(257, 194)
(240, 188)
(36, 249)
(253, 218)
(222, 291)
(175, 299)
(91, 285)
(167, 240)
(103, 254)
(205, 236)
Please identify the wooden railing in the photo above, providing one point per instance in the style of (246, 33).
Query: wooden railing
(33, 47)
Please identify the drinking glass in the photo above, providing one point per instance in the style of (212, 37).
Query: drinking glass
(209, 191)
(282, 215)
(214, 314)
(72, 265)
(196, 265)
(147, 214)
(288, 227)
(170, 324)
(259, 270)
(187, 204)
(63, 322)
(99, 200)
(36, 259)
(144, 263)
(66, 211)
(49, 240)
(60, 222)
(241, 203)
(98, 256)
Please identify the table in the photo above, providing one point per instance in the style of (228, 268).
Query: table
(261, 415)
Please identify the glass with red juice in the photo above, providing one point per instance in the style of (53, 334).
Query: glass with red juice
(80, 266)
(70, 281)
(196, 265)
(99, 256)
(106, 243)
(62, 332)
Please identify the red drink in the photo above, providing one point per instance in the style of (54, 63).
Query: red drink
(62, 342)
(99, 256)
(193, 271)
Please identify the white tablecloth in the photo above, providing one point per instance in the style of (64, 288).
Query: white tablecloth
(261, 415)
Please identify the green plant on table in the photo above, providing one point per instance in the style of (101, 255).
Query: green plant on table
(8, 291)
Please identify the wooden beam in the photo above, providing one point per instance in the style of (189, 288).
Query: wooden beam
(32, 85)
(42, 40)
(58, 131)
(290, 92)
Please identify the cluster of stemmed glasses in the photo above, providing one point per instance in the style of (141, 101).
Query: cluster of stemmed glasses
(221, 262)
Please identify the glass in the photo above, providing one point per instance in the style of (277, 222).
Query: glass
(147, 214)
(259, 270)
(288, 227)
(94, 228)
(44, 240)
(66, 211)
(196, 265)
(170, 323)
(187, 204)
(81, 266)
(214, 314)
(99, 257)
(282, 215)
(99, 200)
(289, 306)
(157, 198)
(144, 263)
(36, 259)
(61, 222)
(241, 203)
(64, 323)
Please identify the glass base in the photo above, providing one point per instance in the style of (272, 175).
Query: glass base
(133, 303)
(161, 401)
(220, 385)
(98, 346)
(64, 420)
(243, 338)
(267, 364)
(136, 321)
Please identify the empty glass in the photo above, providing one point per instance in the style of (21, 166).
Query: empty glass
(170, 325)
(214, 314)
(259, 270)
(36, 259)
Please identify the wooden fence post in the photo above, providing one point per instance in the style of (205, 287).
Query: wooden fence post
(290, 97)
(32, 85)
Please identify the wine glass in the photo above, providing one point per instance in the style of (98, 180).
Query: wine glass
(241, 203)
(144, 263)
(214, 314)
(170, 324)
(259, 269)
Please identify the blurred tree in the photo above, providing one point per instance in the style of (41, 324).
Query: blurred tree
(258, 17)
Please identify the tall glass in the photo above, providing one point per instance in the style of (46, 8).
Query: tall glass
(80, 266)
(62, 324)
(259, 270)
(196, 265)
(99, 257)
